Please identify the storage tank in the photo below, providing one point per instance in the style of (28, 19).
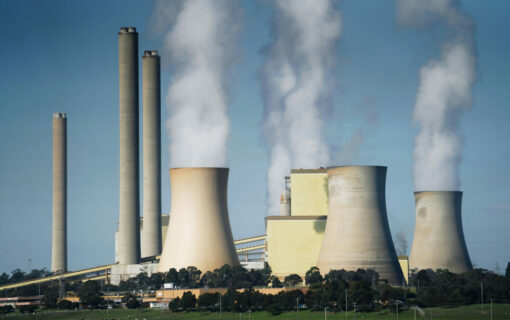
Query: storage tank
(357, 234)
(199, 231)
(438, 235)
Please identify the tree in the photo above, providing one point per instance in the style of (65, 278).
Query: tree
(276, 283)
(175, 305)
(90, 295)
(188, 300)
(65, 305)
(507, 273)
(208, 300)
(6, 309)
(131, 301)
(313, 276)
(362, 294)
(50, 298)
(292, 280)
(172, 277)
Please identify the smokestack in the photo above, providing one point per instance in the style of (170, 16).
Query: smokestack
(438, 237)
(199, 231)
(151, 91)
(129, 198)
(59, 240)
(357, 233)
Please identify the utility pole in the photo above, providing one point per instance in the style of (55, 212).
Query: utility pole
(481, 284)
(491, 309)
(325, 314)
(354, 305)
(345, 303)
(297, 308)
(397, 302)
(220, 305)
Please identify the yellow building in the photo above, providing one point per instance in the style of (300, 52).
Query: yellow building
(309, 192)
(294, 242)
(404, 265)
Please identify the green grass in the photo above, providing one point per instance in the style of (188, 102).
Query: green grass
(472, 312)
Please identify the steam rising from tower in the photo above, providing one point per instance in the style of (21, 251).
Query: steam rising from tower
(444, 92)
(200, 48)
(295, 84)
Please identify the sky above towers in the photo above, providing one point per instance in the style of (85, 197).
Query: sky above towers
(61, 56)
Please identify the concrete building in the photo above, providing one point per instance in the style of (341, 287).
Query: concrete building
(199, 233)
(59, 238)
(294, 239)
(151, 95)
(357, 233)
(129, 193)
(438, 235)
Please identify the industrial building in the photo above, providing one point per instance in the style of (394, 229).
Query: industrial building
(294, 240)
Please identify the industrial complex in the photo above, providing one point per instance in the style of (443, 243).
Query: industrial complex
(332, 218)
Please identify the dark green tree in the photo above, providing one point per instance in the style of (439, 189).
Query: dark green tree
(188, 301)
(175, 305)
(312, 276)
(292, 280)
(172, 276)
(90, 294)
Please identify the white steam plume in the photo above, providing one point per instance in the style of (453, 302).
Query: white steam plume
(295, 85)
(445, 92)
(199, 43)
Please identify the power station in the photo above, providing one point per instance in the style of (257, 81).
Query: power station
(332, 218)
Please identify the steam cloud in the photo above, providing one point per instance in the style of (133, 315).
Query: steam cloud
(401, 243)
(294, 80)
(199, 43)
(444, 92)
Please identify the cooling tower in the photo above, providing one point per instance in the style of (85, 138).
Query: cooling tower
(199, 231)
(59, 238)
(151, 92)
(438, 237)
(357, 233)
(129, 197)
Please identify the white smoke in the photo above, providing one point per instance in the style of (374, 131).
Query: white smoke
(400, 241)
(445, 92)
(199, 43)
(295, 84)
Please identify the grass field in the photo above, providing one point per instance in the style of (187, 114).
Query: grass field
(474, 312)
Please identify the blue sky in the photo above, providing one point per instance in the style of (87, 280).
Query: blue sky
(61, 56)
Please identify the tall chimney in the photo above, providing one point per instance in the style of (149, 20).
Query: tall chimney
(151, 91)
(199, 231)
(59, 239)
(438, 236)
(129, 197)
(357, 232)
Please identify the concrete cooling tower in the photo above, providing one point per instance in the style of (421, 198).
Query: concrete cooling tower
(199, 232)
(357, 234)
(438, 237)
